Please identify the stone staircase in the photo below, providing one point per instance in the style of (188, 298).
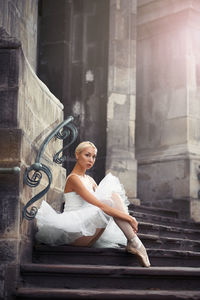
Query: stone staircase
(67, 272)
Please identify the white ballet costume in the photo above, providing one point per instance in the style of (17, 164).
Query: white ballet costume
(81, 218)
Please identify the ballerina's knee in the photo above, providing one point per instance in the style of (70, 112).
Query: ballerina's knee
(118, 202)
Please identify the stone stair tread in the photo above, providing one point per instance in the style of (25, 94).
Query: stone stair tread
(165, 238)
(107, 251)
(178, 221)
(173, 252)
(156, 218)
(156, 210)
(164, 242)
(170, 228)
(60, 293)
(117, 256)
(170, 231)
(113, 270)
(102, 276)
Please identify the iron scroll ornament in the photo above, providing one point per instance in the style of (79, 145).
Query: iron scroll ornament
(33, 180)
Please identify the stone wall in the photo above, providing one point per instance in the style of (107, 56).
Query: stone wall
(120, 158)
(167, 135)
(19, 18)
(28, 113)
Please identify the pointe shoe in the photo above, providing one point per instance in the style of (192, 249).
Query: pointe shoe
(140, 252)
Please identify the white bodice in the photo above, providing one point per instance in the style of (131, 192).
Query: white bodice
(72, 200)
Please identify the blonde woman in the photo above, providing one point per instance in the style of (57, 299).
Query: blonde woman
(93, 215)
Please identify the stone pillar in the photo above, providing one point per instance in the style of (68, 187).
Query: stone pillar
(121, 92)
(167, 126)
(73, 64)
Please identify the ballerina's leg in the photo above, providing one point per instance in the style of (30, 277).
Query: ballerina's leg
(123, 225)
(134, 244)
(88, 241)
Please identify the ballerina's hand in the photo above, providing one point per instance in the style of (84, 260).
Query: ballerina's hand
(134, 224)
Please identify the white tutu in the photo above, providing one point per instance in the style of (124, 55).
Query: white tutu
(81, 218)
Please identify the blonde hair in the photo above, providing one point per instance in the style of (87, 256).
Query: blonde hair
(84, 145)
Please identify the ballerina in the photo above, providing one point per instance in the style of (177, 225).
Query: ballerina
(93, 215)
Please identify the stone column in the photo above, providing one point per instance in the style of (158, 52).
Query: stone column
(73, 64)
(167, 127)
(121, 92)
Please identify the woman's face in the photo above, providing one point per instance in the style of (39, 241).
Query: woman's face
(86, 158)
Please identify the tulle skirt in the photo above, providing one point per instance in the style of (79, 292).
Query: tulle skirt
(81, 218)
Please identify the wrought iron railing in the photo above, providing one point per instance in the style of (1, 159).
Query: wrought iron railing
(14, 170)
(33, 179)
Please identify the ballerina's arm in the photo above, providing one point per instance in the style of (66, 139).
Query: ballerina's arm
(77, 186)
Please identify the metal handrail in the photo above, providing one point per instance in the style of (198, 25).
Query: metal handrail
(38, 167)
(14, 170)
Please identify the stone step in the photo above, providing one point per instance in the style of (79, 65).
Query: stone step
(168, 231)
(102, 276)
(154, 210)
(111, 256)
(160, 257)
(160, 220)
(105, 294)
(155, 241)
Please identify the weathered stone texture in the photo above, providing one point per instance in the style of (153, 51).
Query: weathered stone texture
(164, 180)
(121, 102)
(9, 213)
(9, 251)
(2, 276)
(9, 106)
(10, 146)
(8, 80)
(19, 18)
(167, 109)
(39, 112)
(8, 68)
(29, 113)
(194, 209)
(11, 272)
